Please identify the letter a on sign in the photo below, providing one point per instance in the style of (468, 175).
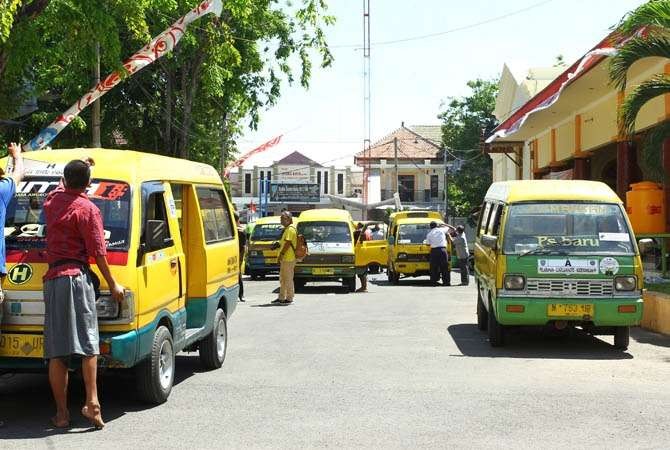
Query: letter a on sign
(567, 263)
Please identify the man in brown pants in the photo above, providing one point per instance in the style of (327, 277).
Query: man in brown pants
(286, 258)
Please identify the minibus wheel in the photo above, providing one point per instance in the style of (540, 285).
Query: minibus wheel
(155, 375)
(212, 349)
(482, 314)
(621, 338)
(496, 331)
(350, 283)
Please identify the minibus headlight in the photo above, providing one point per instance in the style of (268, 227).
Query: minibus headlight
(402, 255)
(625, 283)
(515, 282)
(111, 311)
(348, 259)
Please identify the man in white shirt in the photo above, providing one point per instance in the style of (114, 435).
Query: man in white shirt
(439, 258)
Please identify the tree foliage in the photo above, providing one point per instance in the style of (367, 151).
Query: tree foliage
(654, 18)
(192, 103)
(464, 120)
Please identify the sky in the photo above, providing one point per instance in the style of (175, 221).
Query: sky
(412, 80)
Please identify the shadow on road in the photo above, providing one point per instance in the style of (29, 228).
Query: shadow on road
(649, 337)
(26, 404)
(533, 343)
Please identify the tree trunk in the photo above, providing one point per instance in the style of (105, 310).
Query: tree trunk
(189, 86)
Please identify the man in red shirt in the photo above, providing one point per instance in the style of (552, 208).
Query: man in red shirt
(74, 235)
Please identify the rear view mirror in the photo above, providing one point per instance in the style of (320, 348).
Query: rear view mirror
(490, 241)
(156, 235)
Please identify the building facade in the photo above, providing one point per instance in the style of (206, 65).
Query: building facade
(409, 161)
(298, 172)
(569, 129)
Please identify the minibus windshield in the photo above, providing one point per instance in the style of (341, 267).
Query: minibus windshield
(323, 231)
(267, 232)
(414, 233)
(25, 227)
(575, 228)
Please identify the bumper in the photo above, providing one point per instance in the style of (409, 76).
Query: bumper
(261, 264)
(324, 273)
(605, 311)
(116, 351)
(412, 268)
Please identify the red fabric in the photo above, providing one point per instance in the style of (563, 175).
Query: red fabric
(74, 231)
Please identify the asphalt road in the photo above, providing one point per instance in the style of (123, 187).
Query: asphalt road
(398, 367)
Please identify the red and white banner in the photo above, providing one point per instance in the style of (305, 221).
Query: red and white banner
(268, 145)
(158, 47)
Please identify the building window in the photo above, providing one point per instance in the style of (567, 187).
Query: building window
(325, 182)
(434, 186)
(340, 183)
(247, 183)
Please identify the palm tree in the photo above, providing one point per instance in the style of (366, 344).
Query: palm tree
(649, 30)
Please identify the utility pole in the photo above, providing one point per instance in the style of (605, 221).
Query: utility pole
(367, 116)
(395, 149)
(446, 185)
(95, 112)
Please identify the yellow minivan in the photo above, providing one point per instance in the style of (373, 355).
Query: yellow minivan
(408, 253)
(261, 258)
(556, 253)
(171, 243)
(330, 242)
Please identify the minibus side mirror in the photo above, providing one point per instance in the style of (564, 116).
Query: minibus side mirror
(490, 241)
(156, 235)
(391, 240)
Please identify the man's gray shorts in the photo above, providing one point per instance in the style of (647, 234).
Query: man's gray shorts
(70, 319)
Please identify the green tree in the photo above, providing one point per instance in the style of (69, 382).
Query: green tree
(654, 17)
(192, 103)
(464, 121)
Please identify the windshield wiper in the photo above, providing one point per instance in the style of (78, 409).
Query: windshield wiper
(543, 250)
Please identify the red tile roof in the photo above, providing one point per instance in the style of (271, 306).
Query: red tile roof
(297, 159)
(411, 145)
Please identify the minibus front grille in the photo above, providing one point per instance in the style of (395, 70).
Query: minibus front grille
(416, 257)
(322, 259)
(569, 288)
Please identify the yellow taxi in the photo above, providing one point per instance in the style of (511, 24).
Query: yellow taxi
(172, 243)
(261, 258)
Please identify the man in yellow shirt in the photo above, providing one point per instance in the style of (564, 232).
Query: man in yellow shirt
(288, 242)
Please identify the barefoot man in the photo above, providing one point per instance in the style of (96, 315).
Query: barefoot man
(74, 234)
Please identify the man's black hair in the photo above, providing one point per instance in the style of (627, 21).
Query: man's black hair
(77, 174)
(433, 224)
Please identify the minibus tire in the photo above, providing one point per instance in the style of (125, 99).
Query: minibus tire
(482, 314)
(621, 338)
(496, 331)
(149, 387)
(211, 357)
(350, 283)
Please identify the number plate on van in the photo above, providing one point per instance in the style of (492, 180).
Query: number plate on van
(323, 271)
(22, 345)
(564, 310)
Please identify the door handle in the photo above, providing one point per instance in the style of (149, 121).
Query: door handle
(174, 262)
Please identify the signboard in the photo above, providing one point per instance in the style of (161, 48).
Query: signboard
(294, 193)
(294, 173)
(567, 266)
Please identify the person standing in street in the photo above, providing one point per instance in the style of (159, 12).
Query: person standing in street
(242, 240)
(7, 190)
(286, 258)
(460, 246)
(360, 235)
(75, 234)
(439, 258)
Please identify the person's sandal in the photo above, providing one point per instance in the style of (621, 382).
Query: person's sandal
(92, 414)
(286, 302)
